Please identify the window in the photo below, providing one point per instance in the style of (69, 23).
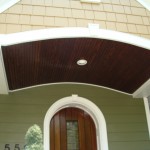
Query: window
(72, 135)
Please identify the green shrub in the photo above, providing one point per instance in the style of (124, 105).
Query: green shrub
(34, 138)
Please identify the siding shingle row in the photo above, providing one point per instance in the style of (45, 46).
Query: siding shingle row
(120, 15)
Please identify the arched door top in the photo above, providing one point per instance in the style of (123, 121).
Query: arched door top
(84, 104)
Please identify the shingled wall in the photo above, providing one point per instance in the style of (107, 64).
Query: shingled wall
(121, 15)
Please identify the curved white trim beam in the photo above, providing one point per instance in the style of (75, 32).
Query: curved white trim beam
(86, 105)
(77, 83)
(58, 33)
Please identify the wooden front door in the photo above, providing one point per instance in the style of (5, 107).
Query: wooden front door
(72, 129)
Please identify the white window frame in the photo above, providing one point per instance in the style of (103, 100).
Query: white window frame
(147, 110)
(84, 104)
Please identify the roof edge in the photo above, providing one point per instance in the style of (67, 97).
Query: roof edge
(5, 4)
(145, 3)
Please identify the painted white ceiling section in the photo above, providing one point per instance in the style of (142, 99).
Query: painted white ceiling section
(145, 3)
(92, 31)
(5, 4)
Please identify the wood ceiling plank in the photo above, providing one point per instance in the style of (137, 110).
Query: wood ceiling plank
(111, 64)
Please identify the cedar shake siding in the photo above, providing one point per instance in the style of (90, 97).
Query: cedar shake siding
(120, 15)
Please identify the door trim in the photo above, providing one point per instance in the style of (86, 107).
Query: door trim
(87, 106)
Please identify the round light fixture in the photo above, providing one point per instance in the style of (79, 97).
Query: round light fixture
(82, 62)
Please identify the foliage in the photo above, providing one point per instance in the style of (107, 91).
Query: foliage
(33, 138)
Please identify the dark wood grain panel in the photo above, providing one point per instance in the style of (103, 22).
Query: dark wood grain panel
(75, 112)
(68, 114)
(63, 135)
(57, 132)
(81, 130)
(111, 64)
(52, 135)
(88, 132)
(93, 134)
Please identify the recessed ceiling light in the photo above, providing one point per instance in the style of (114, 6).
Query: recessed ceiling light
(82, 62)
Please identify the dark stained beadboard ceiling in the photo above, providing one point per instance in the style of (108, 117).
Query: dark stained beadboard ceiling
(111, 64)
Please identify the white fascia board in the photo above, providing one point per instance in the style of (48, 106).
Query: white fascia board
(145, 3)
(5, 4)
(74, 32)
(35, 35)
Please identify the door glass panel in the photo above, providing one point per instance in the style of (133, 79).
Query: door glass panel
(72, 135)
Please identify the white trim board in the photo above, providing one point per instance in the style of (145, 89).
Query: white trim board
(147, 110)
(86, 105)
(3, 79)
(74, 32)
(145, 3)
(5, 4)
(77, 83)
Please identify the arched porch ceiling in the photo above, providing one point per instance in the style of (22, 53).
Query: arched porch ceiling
(35, 58)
